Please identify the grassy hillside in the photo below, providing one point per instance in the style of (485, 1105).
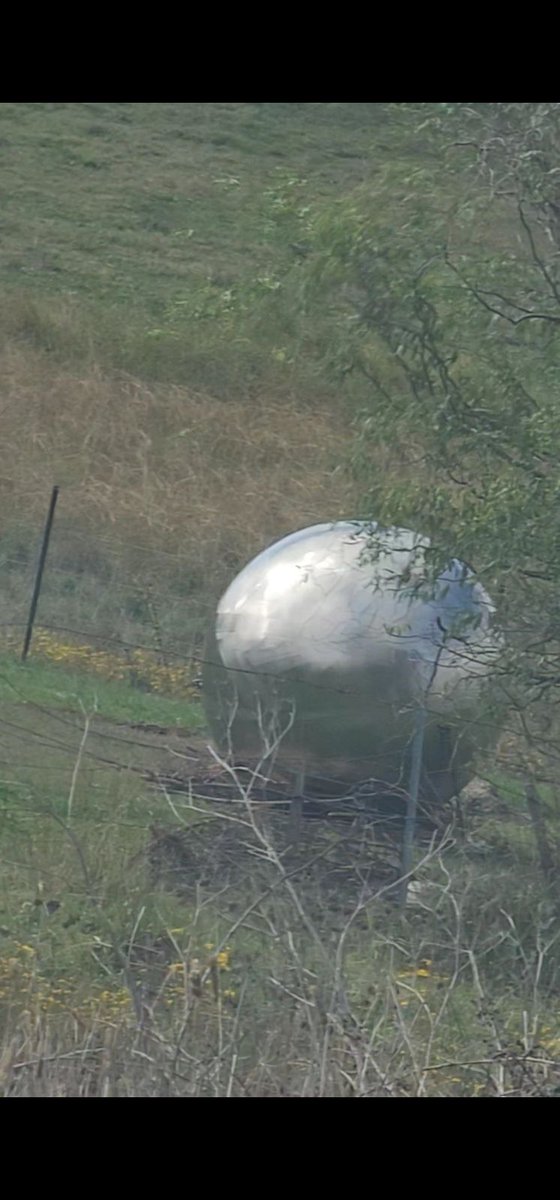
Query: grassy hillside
(154, 363)
(150, 365)
(150, 216)
(109, 194)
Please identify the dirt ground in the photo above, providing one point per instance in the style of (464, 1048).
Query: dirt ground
(235, 837)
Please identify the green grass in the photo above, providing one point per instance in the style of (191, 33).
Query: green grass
(126, 202)
(137, 209)
(55, 686)
(163, 239)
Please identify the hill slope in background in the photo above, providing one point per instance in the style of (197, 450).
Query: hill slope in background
(129, 203)
(142, 367)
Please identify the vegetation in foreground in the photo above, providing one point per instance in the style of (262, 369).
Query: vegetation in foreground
(155, 943)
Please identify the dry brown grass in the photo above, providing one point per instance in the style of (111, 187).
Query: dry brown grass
(206, 480)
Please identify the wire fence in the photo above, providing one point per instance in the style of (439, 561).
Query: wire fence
(192, 825)
(120, 597)
(134, 606)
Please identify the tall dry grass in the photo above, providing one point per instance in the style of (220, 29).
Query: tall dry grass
(206, 480)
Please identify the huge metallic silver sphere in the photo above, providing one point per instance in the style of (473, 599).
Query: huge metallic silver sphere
(324, 646)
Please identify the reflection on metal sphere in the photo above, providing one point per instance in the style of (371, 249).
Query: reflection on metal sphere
(325, 644)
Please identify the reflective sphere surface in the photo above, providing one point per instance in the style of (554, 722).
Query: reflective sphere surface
(326, 643)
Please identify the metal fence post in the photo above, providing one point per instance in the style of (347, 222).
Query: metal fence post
(39, 573)
(412, 803)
